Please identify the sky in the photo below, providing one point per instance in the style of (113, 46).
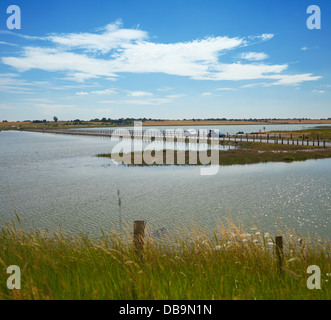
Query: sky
(164, 59)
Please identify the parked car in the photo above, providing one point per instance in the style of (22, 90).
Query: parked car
(215, 134)
(190, 133)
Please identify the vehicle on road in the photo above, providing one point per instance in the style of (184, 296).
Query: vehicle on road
(190, 133)
(215, 134)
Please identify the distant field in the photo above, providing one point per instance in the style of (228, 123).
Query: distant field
(206, 122)
(88, 124)
(50, 125)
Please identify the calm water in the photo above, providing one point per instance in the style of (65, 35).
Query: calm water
(56, 180)
(231, 129)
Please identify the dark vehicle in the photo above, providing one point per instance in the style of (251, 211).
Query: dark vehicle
(215, 134)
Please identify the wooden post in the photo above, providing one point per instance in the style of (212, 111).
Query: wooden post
(324, 144)
(318, 140)
(279, 251)
(138, 237)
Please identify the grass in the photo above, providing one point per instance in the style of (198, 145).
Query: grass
(323, 133)
(53, 125)
(226, 264)
(245, 153)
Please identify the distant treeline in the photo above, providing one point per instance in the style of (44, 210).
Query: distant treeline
(129, 121)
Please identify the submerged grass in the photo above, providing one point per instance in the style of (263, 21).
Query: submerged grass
(227, 264)
(245, 153)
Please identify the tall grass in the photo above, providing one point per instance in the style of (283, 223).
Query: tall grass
(227, 264)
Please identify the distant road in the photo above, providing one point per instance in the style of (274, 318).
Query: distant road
(164, 134)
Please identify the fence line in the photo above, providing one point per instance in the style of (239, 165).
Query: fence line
(182, 135)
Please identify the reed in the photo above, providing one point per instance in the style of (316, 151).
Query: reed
(228, 263)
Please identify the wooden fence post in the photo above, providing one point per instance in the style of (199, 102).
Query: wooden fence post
(138, 237)
(279, 251)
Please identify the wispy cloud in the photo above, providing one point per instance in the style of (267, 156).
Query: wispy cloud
(97, 92)
(254, 56)
(225, 89)
(131, 51)
(176, 96)
(149, 101)
(6, 107)
(308, 48)
(139, 94)
(112, 37)
(33, 100)
(8, 43)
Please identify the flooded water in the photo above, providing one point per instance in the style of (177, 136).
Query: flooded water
(56, 180)
(228, 129)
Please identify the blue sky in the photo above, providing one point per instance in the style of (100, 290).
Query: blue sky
(165, 59)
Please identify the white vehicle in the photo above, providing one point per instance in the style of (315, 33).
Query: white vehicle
(190, 133)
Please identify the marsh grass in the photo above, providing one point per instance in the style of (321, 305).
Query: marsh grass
(245, 153)
(228, 263)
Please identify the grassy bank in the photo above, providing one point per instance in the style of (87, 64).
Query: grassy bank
(54, 125)
(245, 153)
(322, 132)
(229, 264)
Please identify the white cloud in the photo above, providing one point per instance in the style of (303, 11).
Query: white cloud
(294, 79)
(319, 91)
(37, 100)
(284, 80)
(131, 51)
(105, 92)
(11, 83)
(254, 56)
(206, 94)
(112, 37)
(8, 44)
(82, 93)
(176, 96)
(266, 36)
(98, 92)
(308, 48)
(139, 94)
(79, 66)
